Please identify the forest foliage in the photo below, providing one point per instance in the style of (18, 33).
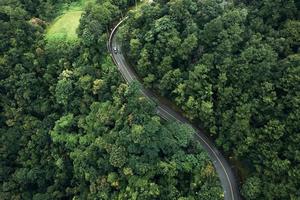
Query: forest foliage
(234, 68)
(70, 128)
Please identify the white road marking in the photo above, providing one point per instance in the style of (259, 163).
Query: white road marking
(169, 113)
(227, 176)
(128, 73)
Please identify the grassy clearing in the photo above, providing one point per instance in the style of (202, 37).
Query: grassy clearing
(76, 6)
(64, 27)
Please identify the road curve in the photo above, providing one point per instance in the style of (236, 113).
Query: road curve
(222, 167)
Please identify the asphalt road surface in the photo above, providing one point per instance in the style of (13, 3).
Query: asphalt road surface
(221, 165)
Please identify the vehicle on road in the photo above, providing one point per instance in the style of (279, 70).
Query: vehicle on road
(115, 49)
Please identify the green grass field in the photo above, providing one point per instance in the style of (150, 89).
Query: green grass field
(64, 27)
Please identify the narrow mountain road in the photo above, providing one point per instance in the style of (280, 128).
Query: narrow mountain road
(222, 167)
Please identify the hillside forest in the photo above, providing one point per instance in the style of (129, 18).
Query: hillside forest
(71, 128)
(233, 68)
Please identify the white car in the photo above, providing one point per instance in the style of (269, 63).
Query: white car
(115, 49)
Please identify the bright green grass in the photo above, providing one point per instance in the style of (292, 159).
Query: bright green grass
(64, 27)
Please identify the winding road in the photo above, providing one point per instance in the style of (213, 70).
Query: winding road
(221, 165)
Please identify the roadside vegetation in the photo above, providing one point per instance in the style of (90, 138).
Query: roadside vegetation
(233, 67)
(70, 128)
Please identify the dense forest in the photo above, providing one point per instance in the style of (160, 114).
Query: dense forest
(70, 128)
(233, 67)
